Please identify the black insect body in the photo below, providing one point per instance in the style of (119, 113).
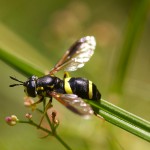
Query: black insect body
(70, 91)
(83, 88)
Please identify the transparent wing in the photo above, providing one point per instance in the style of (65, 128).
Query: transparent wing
(74, 103)
(78, 54)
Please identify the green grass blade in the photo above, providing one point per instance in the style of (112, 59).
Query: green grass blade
(123, 119)
(110, 112)
(19, 64)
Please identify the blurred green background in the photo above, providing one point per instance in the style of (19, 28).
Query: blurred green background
(41, 31)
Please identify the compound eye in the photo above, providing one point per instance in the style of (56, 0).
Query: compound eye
(31, 89)
(30, 86)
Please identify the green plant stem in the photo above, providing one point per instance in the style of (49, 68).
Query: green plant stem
(126, 115)
(36, 125)
(110, 112)
(19, 64)
(49, 122)
(47, 131)
(62, 142)
(55, 134)
(123, 119)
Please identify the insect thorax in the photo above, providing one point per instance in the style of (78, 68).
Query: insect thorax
(48, 83)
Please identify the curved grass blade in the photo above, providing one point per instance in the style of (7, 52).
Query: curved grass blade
(110, 112)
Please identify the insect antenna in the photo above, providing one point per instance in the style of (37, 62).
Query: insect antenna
(13, 78)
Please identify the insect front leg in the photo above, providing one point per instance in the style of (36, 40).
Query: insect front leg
(33, 106)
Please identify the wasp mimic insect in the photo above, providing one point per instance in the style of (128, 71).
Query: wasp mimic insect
(71, 90)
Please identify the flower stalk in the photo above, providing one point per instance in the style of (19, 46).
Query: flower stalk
(13, 120)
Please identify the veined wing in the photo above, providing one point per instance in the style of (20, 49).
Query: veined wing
(74, 103)
(77, 55)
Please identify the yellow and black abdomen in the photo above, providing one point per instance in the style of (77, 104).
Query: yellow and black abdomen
(81, 87)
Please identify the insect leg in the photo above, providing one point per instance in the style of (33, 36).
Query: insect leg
(99, 116)
(49, 105)
(33, 106)
(39, 101)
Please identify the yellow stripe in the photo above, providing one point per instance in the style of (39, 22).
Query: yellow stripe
(67, 86)
(90, 90)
